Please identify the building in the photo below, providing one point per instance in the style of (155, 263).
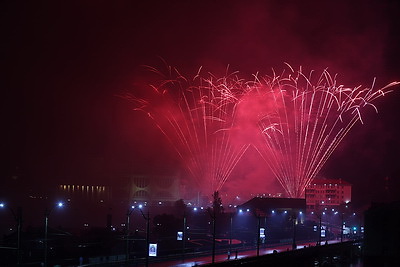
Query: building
(329, 193)
(266, 206)
(155, 188)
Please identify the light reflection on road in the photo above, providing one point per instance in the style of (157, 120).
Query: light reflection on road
(240, 254)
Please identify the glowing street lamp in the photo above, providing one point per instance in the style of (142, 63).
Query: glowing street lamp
(46, 223)
(128, 214)
(294, 223)
(18, 218)
(147, 218)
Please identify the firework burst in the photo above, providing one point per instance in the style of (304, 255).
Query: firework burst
(302, 120)
(197, 117)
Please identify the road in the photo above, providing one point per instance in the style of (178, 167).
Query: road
(189, 262)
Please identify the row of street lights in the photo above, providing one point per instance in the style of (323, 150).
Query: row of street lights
(18, 217)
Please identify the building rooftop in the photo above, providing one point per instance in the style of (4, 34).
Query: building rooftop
(267, 204)
(329, 181)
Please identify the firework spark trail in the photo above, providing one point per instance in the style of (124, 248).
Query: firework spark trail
(197, 117)
(305, 122)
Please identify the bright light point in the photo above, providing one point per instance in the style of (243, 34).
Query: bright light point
(333, 209)
(273, 211)
(312, 212)
(60, 204)
(354, 214)
(240, 210)
(248, 210)
(285, 211)
(140, 206)
(132, 207)
(323, 213)
(201, 207)
(300, 212)
(195, 209)
(1, 205)
(159, 202)
(347, 202)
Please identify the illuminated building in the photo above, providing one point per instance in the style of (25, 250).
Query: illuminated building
(155, 188)
(327, 193)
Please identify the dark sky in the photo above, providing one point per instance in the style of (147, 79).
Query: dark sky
(64, 62)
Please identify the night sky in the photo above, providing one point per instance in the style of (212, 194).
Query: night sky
(65, 62)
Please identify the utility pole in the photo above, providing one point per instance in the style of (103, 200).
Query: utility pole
(213, 241)
(128, 214)
(147, 218)
(320, 229)
(294, 219)
(183, 236)
(258, 234)
(230, 236)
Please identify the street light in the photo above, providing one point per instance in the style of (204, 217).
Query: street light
(230, 236)
(184, 236)
(294, 222)
(18, 218)
(258, 234)
(128, 214)
(147, 218)
(213, 218)
(46, 223)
